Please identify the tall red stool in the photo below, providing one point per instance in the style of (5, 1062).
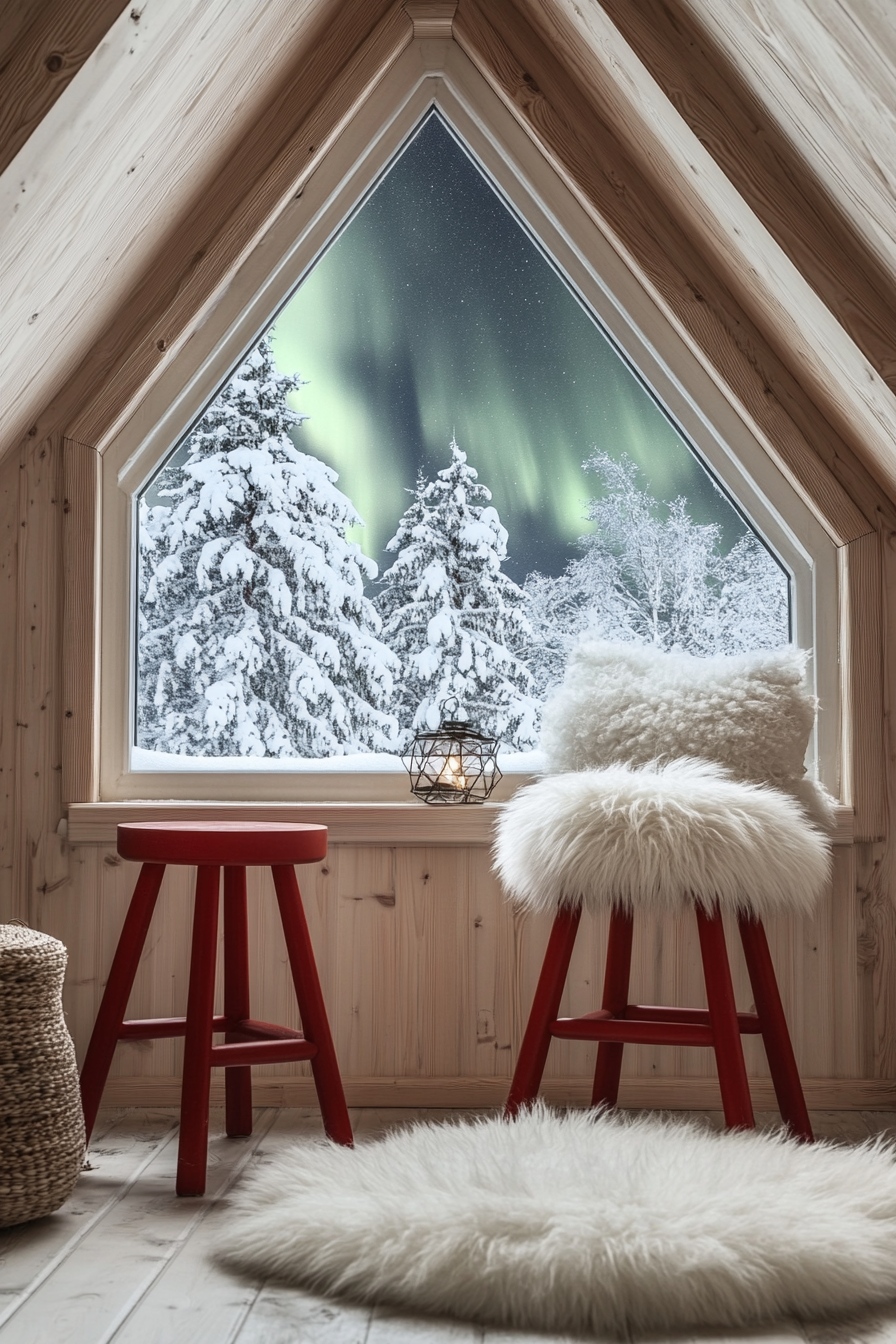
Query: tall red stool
(683, 838)
(618, 1022)
(209, 846)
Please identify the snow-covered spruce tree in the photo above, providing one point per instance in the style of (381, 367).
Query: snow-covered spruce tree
(255, 636)
(451, 616)
(649, 574)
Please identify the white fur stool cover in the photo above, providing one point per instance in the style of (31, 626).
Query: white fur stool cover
(660, 838)
(752, 713)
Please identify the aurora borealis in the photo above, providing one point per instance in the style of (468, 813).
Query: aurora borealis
(434, 312)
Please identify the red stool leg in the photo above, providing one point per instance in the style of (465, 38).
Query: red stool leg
(608, 1069)
(775, 1036)
(723, 1017)
(118, 990)
(237, 1080)
(311, 1006)
(545, 1007)
(192, 1156)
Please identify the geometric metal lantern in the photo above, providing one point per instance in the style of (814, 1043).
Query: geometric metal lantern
(453, 764)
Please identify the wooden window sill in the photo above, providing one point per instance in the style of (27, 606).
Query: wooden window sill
(348, 823)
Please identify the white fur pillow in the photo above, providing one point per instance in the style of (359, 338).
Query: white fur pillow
(662, 838)
(751, 713)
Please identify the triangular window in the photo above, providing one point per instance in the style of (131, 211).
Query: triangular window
(434, 472)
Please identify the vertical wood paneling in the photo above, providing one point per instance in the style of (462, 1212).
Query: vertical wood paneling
(438, 984)
(432, 897)
(9, 535)
(876, 876)
(862, 653)
(40, 865)
(366, 964)
(844, 967)
(80, 608)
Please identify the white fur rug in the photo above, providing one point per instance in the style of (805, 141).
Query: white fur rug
(578, 1221)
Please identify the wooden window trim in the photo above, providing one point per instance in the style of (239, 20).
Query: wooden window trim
(721, 340)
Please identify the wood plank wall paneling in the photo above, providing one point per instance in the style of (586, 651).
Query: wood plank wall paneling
(517, 63)
(9, 548)
(267, 171)
(864, 752)
(80, 614)
(39, 868)
(428, 973)
(876, 867)
(760, 146)
(49, 46)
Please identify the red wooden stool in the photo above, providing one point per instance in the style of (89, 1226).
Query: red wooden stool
(619, 1022)
(211, 845)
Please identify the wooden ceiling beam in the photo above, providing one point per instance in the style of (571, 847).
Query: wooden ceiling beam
(748, 143)
(40, 55)
(559, 112)
(589, 65)
(268, 170)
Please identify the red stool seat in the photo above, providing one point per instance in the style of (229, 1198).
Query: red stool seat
(209, 846)
(259, 844)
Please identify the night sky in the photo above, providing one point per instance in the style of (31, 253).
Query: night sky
(435, 312)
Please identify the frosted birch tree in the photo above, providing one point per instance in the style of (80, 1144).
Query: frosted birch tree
(649, 574)
(452, 616)
(255, 636)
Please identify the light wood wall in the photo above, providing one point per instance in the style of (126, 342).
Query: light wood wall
(427, 973)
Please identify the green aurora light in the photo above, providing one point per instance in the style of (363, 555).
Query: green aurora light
(434, 312)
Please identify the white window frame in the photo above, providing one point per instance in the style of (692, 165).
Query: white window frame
(432, 72)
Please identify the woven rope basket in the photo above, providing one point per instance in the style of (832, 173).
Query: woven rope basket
(41, 1122)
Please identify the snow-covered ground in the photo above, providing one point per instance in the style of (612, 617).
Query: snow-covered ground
(511, 763)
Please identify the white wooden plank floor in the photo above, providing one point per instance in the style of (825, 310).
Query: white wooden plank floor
(126, 1261)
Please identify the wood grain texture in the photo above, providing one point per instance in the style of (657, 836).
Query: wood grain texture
(825, 70)
(864, 748)
(805, 336)
(178, 186)
(42, 58)
(38, 867)
(298, 125)
(80, 608)
(431, 18)
(739, 119)
(453, 1093)
(561, 117)
(161, 118)
(876, 868)
(428, 975)
(15, 17)
(9, 548)
(389, 824)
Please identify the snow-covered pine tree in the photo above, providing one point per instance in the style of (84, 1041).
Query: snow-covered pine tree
(649, 574)
(255, 637)
(451, 616)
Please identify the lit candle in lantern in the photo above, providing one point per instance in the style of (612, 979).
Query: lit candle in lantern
(451, 776)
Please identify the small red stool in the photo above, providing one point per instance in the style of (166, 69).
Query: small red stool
(211, 845)
(619, 1022)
